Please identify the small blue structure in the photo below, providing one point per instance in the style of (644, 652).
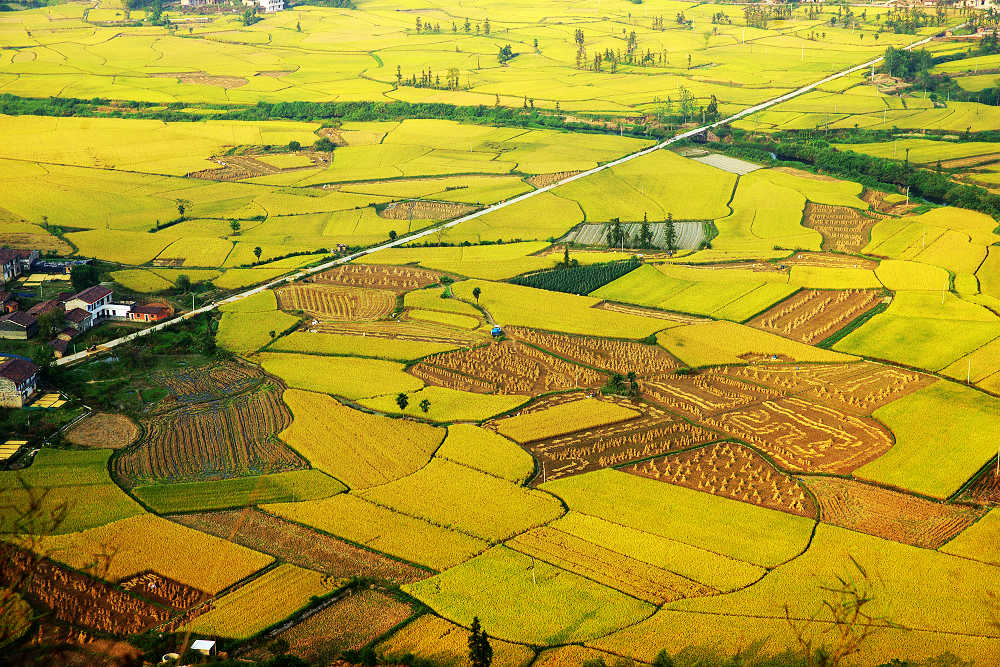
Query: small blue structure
(496, 331)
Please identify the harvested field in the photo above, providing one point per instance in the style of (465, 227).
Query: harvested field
(618, 356)
(424, 210)
(542, 180)
(811, 316)
(885, 203)
(569, 417)
(213, 440)
(74, 597)
(844, 229)
(792, 171)
(337, 303)
(396, 278)
(31, 241)
(652, 433)
(690, 233)
(202, 78)
(891, 515)
(212, 382)
(506, 367)
(733, 471)
(162, 590)
(858, 388)
(965, 162)
(726, 163)
(426, 332)
(104, 430)
(829, 260)
(985, 489)
(610, 568)
(801, 435)
(350, 623)
(648, 312)
(698, 396)
(299, 545)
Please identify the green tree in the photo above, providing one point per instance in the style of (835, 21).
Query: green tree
(294, 145)
(257, 252)
(505, 54)
(324, 144)
(235, 226)
(51, 323)
(663, 659)
(181, 207)
(392, 234)
(83, 276)
(402, 401)
(480, 651)
(671, 240)
(250, 16)
(566, 255)
(645, 233)
(425, 405)
(298, 27)
(183, 283)
(475, 293)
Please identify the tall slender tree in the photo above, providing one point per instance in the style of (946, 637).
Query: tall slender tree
(480, 651)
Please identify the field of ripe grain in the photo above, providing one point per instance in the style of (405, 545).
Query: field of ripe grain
(297, 544)
(566, 418)
(457, 497)
(384, 530)
(738, 530)
(486, 451)
(360, 449)
(448, 644)
(349, 377)
(447, 405)
(617, 356)
(543, 604)
(193, 558)
(337, 303)
(252, 323)
(270, 598)
(915, 461)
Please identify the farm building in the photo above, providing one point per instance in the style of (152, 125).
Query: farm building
(19, 326)
(14, 262)
(18, 379)
(150, 313)
(8, 304)
(95, 300)
(79, 319)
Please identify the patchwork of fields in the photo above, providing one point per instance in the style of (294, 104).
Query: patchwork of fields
(700, 401)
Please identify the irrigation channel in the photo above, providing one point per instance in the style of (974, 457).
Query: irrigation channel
(402, 240)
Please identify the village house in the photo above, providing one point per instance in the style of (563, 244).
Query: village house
(8, 304)
(150, 313)
(18, 326)
(15, 262)
(79, 319)
(18, 380)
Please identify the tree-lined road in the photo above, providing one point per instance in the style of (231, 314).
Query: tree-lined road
(409, 238)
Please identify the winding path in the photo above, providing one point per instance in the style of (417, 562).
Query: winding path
(81, 356)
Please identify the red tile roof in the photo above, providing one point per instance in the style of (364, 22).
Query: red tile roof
(17, 370)
(92, 294)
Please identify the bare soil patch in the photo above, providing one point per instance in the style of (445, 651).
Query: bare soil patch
(733, 471)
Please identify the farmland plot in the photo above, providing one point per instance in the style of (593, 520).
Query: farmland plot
(299, 545)
(801, 435)
(213, 440)
(698, 396)
(733, 471)
(652, 433)
(689, 234)
(447, 644)
(889, 514)
(337, 303)
(628, 575)
(507, 367)
(811, 316)
(617, 356)
(389, 277)
(568, 417)
(103, 430)
(844, 228)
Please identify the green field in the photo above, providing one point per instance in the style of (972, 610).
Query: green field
(200, 496)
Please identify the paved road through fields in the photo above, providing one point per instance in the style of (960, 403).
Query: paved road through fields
(80, 356)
